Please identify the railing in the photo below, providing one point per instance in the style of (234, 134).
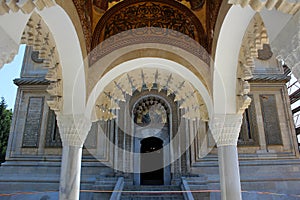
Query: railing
(116, 195)
(187, 190)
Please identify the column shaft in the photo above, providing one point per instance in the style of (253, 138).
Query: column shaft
(229, 173)
(225, 129)
(70, 173)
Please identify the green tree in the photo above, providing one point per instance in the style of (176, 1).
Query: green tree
(5, 121)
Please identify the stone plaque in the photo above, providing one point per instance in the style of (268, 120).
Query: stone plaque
(33, 122)
(270, 119)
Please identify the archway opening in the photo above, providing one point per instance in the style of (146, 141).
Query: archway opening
(152, 158)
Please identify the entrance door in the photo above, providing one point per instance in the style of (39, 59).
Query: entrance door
(152, 159)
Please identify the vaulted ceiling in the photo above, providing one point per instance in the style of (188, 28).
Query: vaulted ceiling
(101, 19)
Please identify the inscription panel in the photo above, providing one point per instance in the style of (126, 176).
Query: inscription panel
(33, 122)
(270, 119)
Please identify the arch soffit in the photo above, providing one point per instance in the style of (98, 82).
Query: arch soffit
(228, 46)
(66, 43)
(194, 64)
(98, 36)
(69, 50)
(140, 63)
(71, 11)
(274, 22)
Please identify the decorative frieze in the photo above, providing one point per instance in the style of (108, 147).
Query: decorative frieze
(38, 35)
(73, 129)
(285, 6)
(225, 128)
(26, 6)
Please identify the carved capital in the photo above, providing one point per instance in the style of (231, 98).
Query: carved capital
(225, 128)
(8, 48)
(73, 129)
(285, 6)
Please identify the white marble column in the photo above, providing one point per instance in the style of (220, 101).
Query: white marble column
(225, 129)
(73, 130)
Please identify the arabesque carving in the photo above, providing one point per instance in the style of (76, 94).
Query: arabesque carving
(254, 39)
(226, 128)
(285, 6)
(169, 16)
(26, 6)
(38, 35)
(185, 94)
(73, 129)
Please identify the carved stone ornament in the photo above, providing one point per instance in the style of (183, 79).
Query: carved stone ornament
(286, 45)
(285, 6)
(225, 128)
(165, 17)
(8, 48)
(254, 39)
(26, 6)
(103, 5)
(38, 35)
(73, 129)
(185, 94)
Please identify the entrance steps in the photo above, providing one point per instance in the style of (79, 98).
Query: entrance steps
(103, 187)
(198, 187)
(152, 192)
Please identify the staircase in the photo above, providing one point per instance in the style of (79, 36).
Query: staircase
(152, 192)
(196, 184)
(104, 187)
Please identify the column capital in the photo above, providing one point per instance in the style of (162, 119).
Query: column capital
(225, 128)
(73, 129)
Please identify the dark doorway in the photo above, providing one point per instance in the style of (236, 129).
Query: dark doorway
(152, 159)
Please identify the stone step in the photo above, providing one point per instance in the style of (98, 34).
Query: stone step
(151, 188)
(153, 192)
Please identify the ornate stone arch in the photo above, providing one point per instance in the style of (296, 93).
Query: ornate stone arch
(254, 40)
(38, 35)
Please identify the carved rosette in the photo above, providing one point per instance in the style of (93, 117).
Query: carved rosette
(26, 6)
(254, 39)
(73, 129)
(225, 128)
(285, 6)
(38, 35)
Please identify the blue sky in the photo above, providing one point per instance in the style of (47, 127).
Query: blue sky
(8, 73)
